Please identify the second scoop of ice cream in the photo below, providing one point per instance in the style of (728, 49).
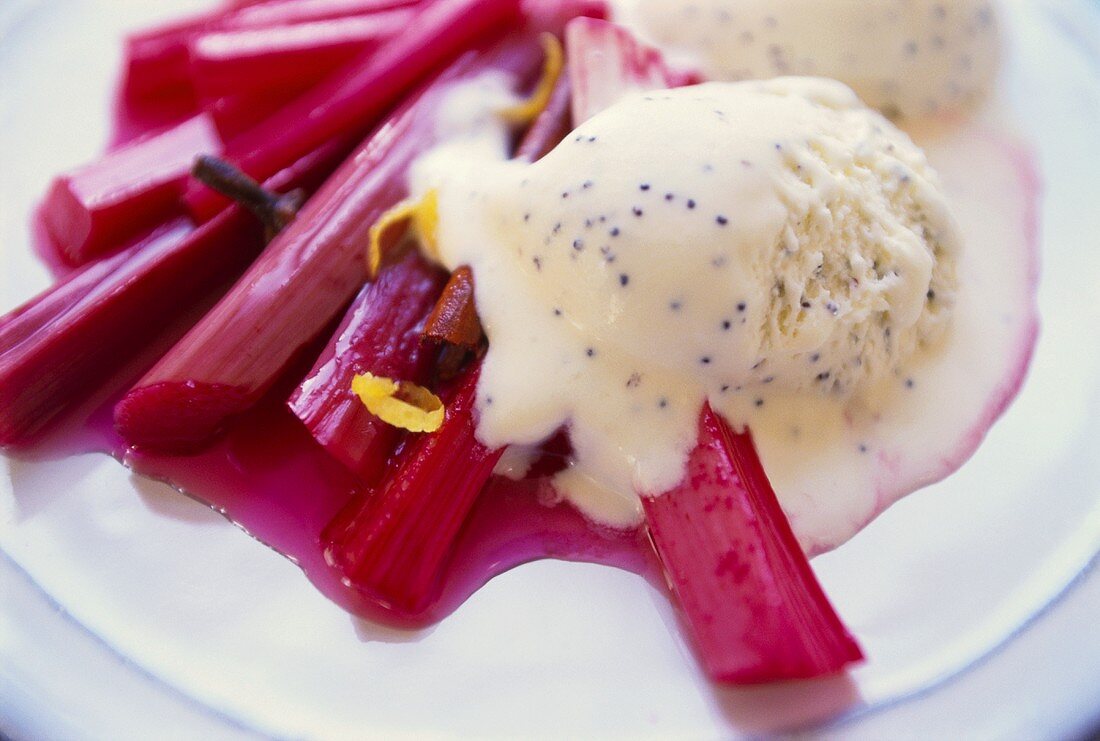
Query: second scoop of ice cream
(725, 241)
(905, 57)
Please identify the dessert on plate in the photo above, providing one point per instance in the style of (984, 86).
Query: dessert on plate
(418, 291)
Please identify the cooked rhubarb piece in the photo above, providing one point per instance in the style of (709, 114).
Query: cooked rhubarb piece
(379, 335)
(61, 345)
(393, 543)
(607, 61)
(270, 60)
(552, 124)
(157, 60)
(747, 593)
(235, 114)
(552, 15)
(302, 281)
(101, 204)
(355, 99)
(290, 12)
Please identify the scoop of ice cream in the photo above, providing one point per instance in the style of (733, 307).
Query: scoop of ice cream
(773, 233)
(904, 57)
(729, 240)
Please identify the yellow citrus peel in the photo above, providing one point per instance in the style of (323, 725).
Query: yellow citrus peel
(421, 215)
(528, 110)
(399, 403)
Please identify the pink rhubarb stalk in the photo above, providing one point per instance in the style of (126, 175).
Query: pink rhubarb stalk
(354, 98)
(292, 12)
(551, 126)
(158, 60)
(272, 60)
(305, 278)
(63, 344)
(393, 544)
(749, 598)
(236, 114)
(102, 204)
(607, 62)
(380, 334)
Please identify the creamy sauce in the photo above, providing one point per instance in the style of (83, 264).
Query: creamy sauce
(908, 58)
(772, 247)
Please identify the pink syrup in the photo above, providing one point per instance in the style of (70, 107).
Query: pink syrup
(269, 477)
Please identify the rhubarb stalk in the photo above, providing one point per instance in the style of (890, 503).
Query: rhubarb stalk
(64, 343)
(393, 544)
(235, 114)
(158, 61)
(354, 100)
(270, 60)
(750, 600)
(552, 124)
(747, 593)
(293, 12)
(607, 61)
(380, 335)
(300, 284)
(123, 193)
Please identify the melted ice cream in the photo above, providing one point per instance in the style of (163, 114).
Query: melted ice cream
(756, 244)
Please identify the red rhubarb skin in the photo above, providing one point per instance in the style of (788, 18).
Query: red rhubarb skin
(158, 62)
(267, 60)
(62, 344)
(553, 15)
(354, 100)
(380, 334)
(302, 281)
(235, 114)
(552, 124)
(255, 100)
(100, 205)
(747, 594)
(289, 12)
(607, 61)
(393, 544)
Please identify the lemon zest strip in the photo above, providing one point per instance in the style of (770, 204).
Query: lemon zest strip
(421, 215)
(399, 403)
(528, 110)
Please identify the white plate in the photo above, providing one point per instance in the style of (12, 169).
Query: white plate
(127, 610)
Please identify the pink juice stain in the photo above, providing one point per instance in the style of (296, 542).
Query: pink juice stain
(270, 478)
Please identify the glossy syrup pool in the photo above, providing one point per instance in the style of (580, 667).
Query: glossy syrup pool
(270, 478)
